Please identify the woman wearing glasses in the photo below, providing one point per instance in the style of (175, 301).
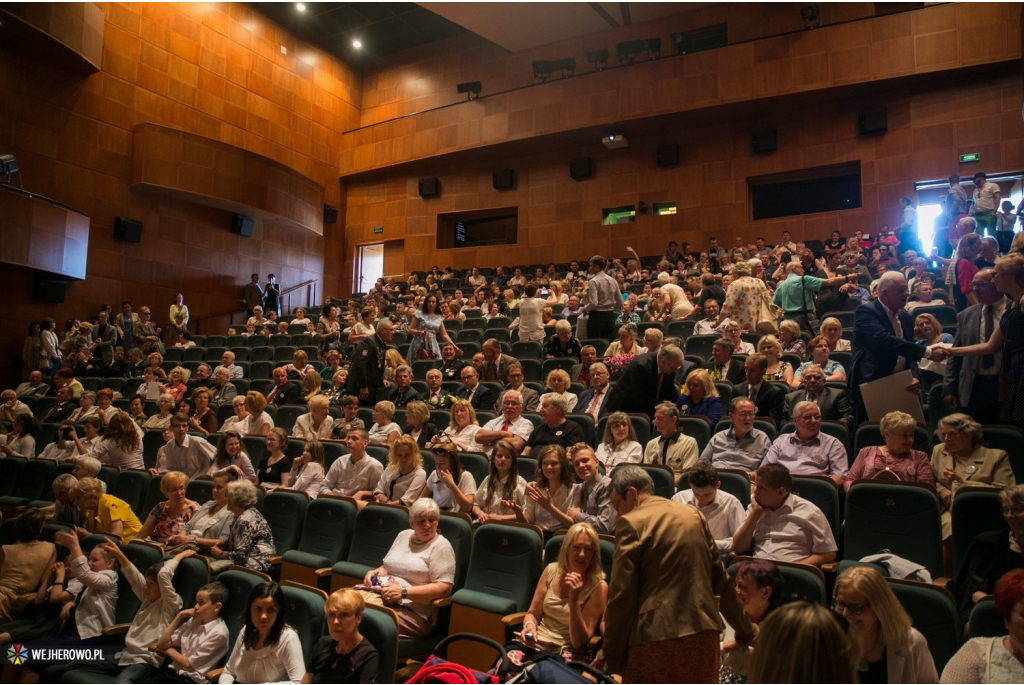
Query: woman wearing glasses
(892, 651)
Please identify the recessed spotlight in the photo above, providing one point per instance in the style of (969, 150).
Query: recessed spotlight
(357, 43)
(299, 6)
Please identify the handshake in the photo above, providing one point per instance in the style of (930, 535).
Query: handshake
(939, 354)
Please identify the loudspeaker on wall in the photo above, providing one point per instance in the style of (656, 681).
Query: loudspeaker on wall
(581, 168)
(504, 179)
(873, 121)
(764, 140)
(129, 230)
(429, 187)
(330, 214)
(668, 155)
(242, 225)
(47, 289)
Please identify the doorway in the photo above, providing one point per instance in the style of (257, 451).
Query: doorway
(929, 192)
(369, 266)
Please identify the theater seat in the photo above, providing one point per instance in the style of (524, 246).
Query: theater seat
(326, 538)
(376, 527)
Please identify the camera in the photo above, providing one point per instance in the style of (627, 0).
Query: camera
(67, 431)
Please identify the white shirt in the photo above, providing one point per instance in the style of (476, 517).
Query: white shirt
(626, 452)
(204, 644)
(308, 480)
(96, 610)
(153, 616)
(495, 506)
(110, 454)
(280, 663)
(193, 457)
(303, 429)
(379, 435)
(794, 531)
(443, 496)
(531, 318)
(521, 427)
(466, 437)
(347, 478)
(707, 327)
(597, 401)
(724, 515)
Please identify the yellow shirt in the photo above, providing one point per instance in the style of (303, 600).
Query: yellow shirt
(112, 509)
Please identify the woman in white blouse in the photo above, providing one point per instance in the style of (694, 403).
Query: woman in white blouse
(250, 417)
(267, 649)
(463, 428)
(307, 472)
(384, 431)
(403, 478)
(558, 385)
(503, 483)
(317, 424)
(162, 418)
(619, 444)
(832, 329)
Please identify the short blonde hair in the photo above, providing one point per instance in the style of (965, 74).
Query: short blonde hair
(347, 600)
(319, 401)
(773, 342)
(418, 410)
(185, 373)
(87, 487)
(171, 480)
(896, 420)
(385, 407)
(786, 325)
(705, 378)
(168, 396)
(255, 402)
(830, 322)
(558, 373)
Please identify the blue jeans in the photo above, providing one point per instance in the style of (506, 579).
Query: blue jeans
(133, 673)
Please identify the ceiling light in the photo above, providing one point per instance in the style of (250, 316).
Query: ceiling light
(299, 6)
(357, 43)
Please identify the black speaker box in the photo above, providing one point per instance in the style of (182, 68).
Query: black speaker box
(873, 121)
(46, 289)
(668, 155)
(242, 225)
(581, 168)
(504, 179)
(129, 230)
(330, 214)
(430, 187)
(764, 140)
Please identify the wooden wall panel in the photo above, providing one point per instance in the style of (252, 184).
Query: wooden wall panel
(69, 33)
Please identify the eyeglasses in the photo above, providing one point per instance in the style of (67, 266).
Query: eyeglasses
(1013, 511)
(855, 609)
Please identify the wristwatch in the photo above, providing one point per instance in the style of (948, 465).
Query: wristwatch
(405, 593)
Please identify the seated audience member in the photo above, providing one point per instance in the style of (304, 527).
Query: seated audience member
(741, 446)
(777, 368)
(594, 400)
(402, 480)
(203, 378)
(509, 425)
(11, 406)
(700, 397)
(186, 453)
(530, 397)
(570, 598)
(502, 484)
(307, 473)
(619, 444)
(162, 419)
(960, 460)
(807, 451)
(549, 496)
(63, 509)
(384, 431)
(113, 515)
(804, 642)
(250, 416)
(832, 331)
(789, 342)
(558, 386)
(403, 393)
(196, 639)
(203, 419)
(450, 485)
(923, 292)
(782, 526)
(355, 471)
(627, 314)
(86, 408)
(833, 402)
(588, 499)
(343, 655)
(167, 517)
(418, 424)
(994, 659)
(670, 447)
(419, 568)
(33, 387)
(349, 420)
(137, 410)
(285, 390)
(227, 362)
(267, 649)
(23, 563)
(563, 343)
(462, 428)
(626, 344)
(722, 366)
(63, 410)
(891, 648)
(732, 331)
(710, 325)
(317, 424)
(768, 398)
(177, 383)
(21, 441)
(210, 524)
(759, 587)
(580, 373)
(250, 542)
(451, 367)
(555, 430)
(723, 511)
(895, 460)
(834, 371)
(276, 466)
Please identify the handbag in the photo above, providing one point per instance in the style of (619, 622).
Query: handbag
(768, 317)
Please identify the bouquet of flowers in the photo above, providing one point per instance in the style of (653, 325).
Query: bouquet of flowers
(616, 365)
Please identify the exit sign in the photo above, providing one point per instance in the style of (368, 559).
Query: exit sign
(973, 157)
(378, 229)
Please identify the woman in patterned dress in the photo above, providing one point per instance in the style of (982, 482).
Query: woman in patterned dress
(425, 329)
(743, 299)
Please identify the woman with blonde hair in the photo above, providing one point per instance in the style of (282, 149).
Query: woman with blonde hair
(168, 517)
(113, 515)
(626, 344)
(778, 370)
(392, 360)
(318, 423)
(803, 642)
(462, 429)
(892, 650)
(311, 385)
(156, 361)
(619, 444)
(177, 385)
(790, 341)
(832, 329)
(402, 480)
(257, 421)
(343, 655)
(162, 418)
(384, 431)
(896, 460)
(558, 386)
(300, 366)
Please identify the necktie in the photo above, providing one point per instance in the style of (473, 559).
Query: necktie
(751, 392)
(504, 428)
(594, 404)
(901, 362)
(988, 360)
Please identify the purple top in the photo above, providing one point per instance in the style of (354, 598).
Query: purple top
(915, 467)
(822, 455)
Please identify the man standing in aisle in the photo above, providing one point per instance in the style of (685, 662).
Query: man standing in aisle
(604, 301)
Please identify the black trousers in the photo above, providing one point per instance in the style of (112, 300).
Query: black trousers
(602, 325)
(984, 406)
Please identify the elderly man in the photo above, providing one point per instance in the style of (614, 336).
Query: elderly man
(137, 363)
(366, 376)
(658, 629)
(497, 363)
(284, 390)
(796, 294)
(555, 429)
(33, 387)
(833, 402)
(670, 447)
(722, 366)
(403, 393)
(563, 343)
(479, 395)
(104, 337)
(647, 381)
(62, 410)
(807, 451)
(437, 397)
(768, 398)
(12, 406)
(581, 372)
(185, 453)
(203, 378)
(883, 340)
(530, 397)
(223, 391)
(509, 426)
(594, 400)
(741, 446)
(782, 526)
(723, 511)
(573, 307)
(227, 361)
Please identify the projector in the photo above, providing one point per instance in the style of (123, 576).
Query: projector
(615, 142)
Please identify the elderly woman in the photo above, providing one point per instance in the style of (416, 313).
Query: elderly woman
(892, 651)
(462, 429)
(619, 444)
(626, 344)
(402, 480)
(924, 292)
(961, 460)
(113, 515)
(503, 483)
(177, 385)
(203, 419)
(384, 431)
(276, 465)
(255, 421)
(333, 361)
(23, 563)
(419, 568)
(328, 331)
(896, 460)
(778, 369)
(995, 659)
(741, 346)
(168, 517)
(156, 361)
(759, 588)
(257, 319)
(558, 386)
(450, 485)
(211, 523)
(250, 543)
(700, 397)
(104, 405)
(337, 393)
(344, 655)
(743, 298)
(418, 425)
(21, 441)
(120, 446)
(307, 472)
(789, 340)
(563, 343)
(832, 369)
(317, 424)
(832, 330)
(570, 597)
(86, 408)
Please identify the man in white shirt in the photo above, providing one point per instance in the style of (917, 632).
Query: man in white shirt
(531, 309)
(354, 471)
(670, 447)
(186, 453)
(782, 526)
(986, 203)
(509, 426)
(723, 511)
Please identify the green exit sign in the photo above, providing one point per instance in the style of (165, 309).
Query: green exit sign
(378, 229)
(973, 157)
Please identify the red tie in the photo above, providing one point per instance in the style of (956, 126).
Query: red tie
(504, 429)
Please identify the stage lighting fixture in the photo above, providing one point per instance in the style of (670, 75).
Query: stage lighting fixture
(598, 57)
(542, 69)
(809, 13)
(8, 166)
(471, 88)
(629, 50)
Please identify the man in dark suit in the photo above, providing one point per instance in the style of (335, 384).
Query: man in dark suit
(366, 375)
(883, 340)
(722, 366)
(598, 387)
(833, 402)
(137, 364)
(104, 337)
(223, 390)
(451, 367)
(768, 398)
(403, 393)
(498, 363)
(480, 396)
(60, 412)
(284, 390)
(971, 384)
(648, 381)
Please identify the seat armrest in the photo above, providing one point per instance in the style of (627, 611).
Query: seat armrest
(275, 561)
(943, 582)
(322, 572)
(441, 602)
(830, 567)
(214, 675)
(117, 629)
(514, 619)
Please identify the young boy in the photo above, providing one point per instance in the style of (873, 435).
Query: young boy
(201, 643)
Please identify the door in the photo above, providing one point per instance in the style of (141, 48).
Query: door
(369, 265)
